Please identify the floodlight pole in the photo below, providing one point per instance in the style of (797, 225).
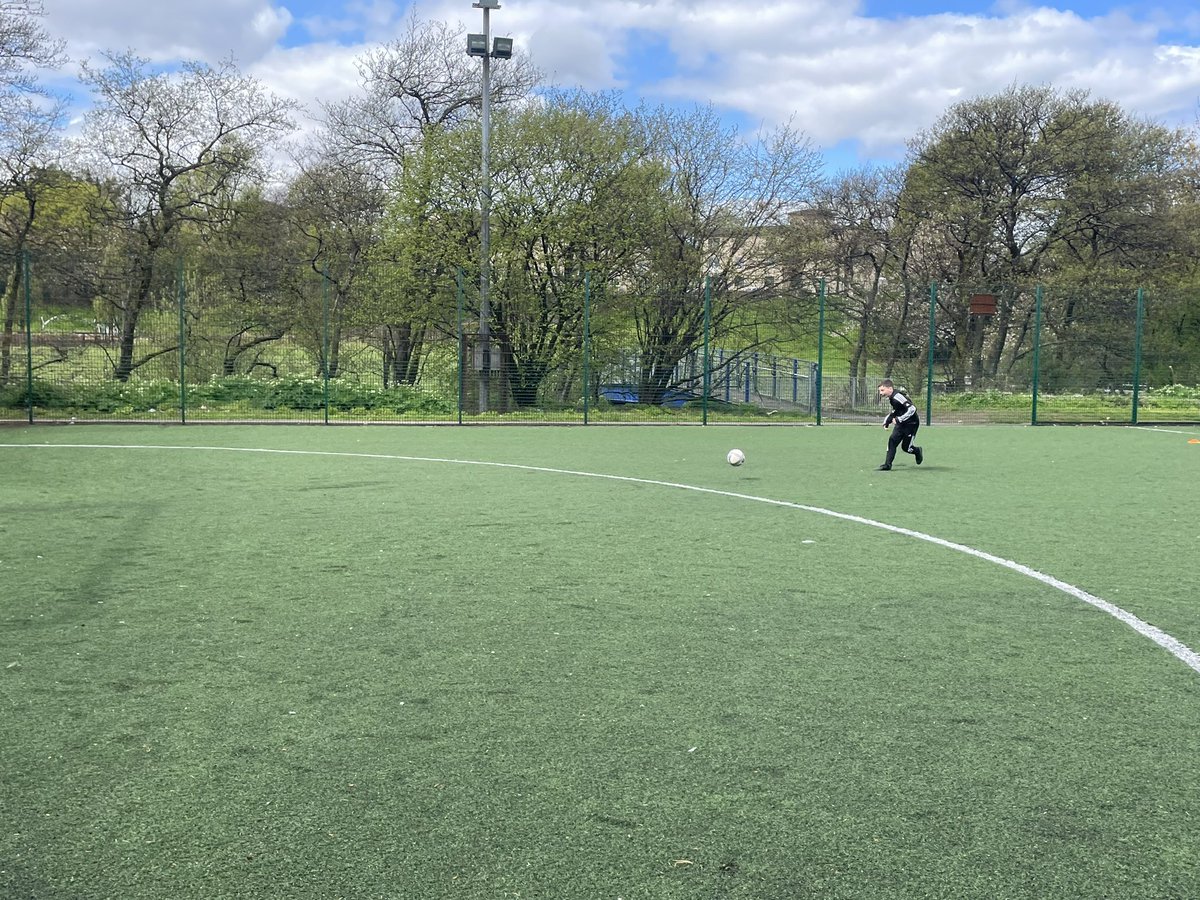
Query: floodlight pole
(482, 45)
(485, 208)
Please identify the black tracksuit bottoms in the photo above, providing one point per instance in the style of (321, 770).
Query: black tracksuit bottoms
(903, 434)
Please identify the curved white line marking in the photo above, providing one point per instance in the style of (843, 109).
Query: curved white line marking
(1156, 430)
(1172, 645)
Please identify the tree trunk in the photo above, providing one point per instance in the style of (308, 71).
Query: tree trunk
(525, 380)
(897, 336)
(1026, 323)
(17, 282)
(130, 313)
(335, 349)
(1004, 316)
(129, 319)
(401, 354)
(234, 349)
(10, 319)
(976, 329)
(960, 354)
(858, 359)
(652, 385)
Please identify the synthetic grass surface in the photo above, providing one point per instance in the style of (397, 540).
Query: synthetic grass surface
(287, 675)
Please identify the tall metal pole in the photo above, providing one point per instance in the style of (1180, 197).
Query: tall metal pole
(462, 343)
(325, 339)
(1037, 352)
(28, 332)
(182, 347)
(485, 226)
(820, 347)
(587, 342)
(1137, 353)
(933, 288)
(707, 363)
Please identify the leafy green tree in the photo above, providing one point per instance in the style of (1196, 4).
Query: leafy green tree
(337, 208)
(243, 287)
(1010, 189)
(1173, 298)
(412, 89)
(570, 185)
(575, 182)
(430, 232)
(1127, 231)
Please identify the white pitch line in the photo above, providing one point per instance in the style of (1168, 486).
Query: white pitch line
(1171, 644)
(1164, 430)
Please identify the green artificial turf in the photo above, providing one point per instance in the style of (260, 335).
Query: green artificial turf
(339, 673)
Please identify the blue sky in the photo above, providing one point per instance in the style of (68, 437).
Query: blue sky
(860, 79)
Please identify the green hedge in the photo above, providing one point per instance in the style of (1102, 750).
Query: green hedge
(241, 391)
(1175, 396)
(242, 394)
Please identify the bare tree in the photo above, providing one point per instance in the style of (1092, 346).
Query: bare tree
(720, 215)
(174, 150)
(421, 80)
(856, 236)
(24, 43)
(30, 140)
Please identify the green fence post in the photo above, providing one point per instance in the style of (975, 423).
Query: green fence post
(587, 342)
(1137, 353)
(820, 345)
(933, 294)
(707, 366)
(462, 342)
(1037, 351)
(28, 334)
(325, 336)
(182, 349)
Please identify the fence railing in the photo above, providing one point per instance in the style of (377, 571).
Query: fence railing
(191, 356)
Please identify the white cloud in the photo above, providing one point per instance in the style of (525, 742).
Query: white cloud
(165, 31)
(270, 23)
(309, 73)
(843, 76)
(571, 55)
(879, 82)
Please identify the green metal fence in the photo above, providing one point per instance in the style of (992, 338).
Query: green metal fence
(1029, 355)
(200, 352)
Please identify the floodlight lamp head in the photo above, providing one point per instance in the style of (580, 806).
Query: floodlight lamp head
(477, 45)
(486, 4)
(502, 48)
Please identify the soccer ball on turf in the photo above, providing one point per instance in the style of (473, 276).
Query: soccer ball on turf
(735, 457)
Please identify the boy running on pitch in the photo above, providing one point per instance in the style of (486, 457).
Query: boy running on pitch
(904, 422)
